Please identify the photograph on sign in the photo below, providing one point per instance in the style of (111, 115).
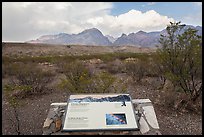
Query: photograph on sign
(100, 112)
(115, 119)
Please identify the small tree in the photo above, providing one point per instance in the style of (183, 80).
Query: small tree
(181, 59)
(14, 104)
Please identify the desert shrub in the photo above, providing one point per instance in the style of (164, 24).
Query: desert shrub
(158, 69)
(80, 80)
(105, 57)
(105, 82)
(14, 104)
(120, 86)
(6, 59)
(180, 56)
(137, 70)
(169, 95)
(10, 69)
(77, 77)
(30, 80)
(151, 67)
(176, 99)
(125, 55)
(102, 83)
(116, 66)
(28, 59)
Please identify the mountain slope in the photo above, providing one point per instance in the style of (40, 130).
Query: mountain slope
(111, 38)
(144, 39)
(87, 37)
(90, 37)
(95, 37)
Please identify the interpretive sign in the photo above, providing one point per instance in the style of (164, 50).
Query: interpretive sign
(100, 112)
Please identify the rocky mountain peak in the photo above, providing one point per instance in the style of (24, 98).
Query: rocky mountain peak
(123, 35)
(91, 31)
(141, 32)
(93, 36)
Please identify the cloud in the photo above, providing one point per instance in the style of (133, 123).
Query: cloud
(131, 21)
(197, 4)
(26, 21)
(151, 3)
(23, 21)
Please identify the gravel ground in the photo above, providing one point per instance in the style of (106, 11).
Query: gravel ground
(174, 123)
(34, 111)
(171, 122)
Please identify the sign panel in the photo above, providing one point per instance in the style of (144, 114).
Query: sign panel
(100, 112)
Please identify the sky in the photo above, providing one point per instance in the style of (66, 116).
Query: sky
(23, 21)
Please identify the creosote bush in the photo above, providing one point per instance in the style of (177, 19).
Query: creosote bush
(137, 70)
(80, 80)
(181, 59)
(28, 80)
(116, 66)
(180, 56)
(77, 77)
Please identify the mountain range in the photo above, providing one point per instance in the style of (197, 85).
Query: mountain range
(94, 36)
(119, 98)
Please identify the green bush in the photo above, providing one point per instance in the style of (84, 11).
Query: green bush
(80, 80)
(10, 69)
(77, 77)
(102, 83)
(180, 57)
(30, 80)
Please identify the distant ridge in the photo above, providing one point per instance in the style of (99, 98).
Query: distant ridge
(119, 98)
(94, 36)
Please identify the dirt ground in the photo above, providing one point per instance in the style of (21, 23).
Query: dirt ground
(33, 110)
(19, 49)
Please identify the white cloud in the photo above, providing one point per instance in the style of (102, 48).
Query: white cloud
(151, 3)
(131, 21)
(197, 4)
(25, 21)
